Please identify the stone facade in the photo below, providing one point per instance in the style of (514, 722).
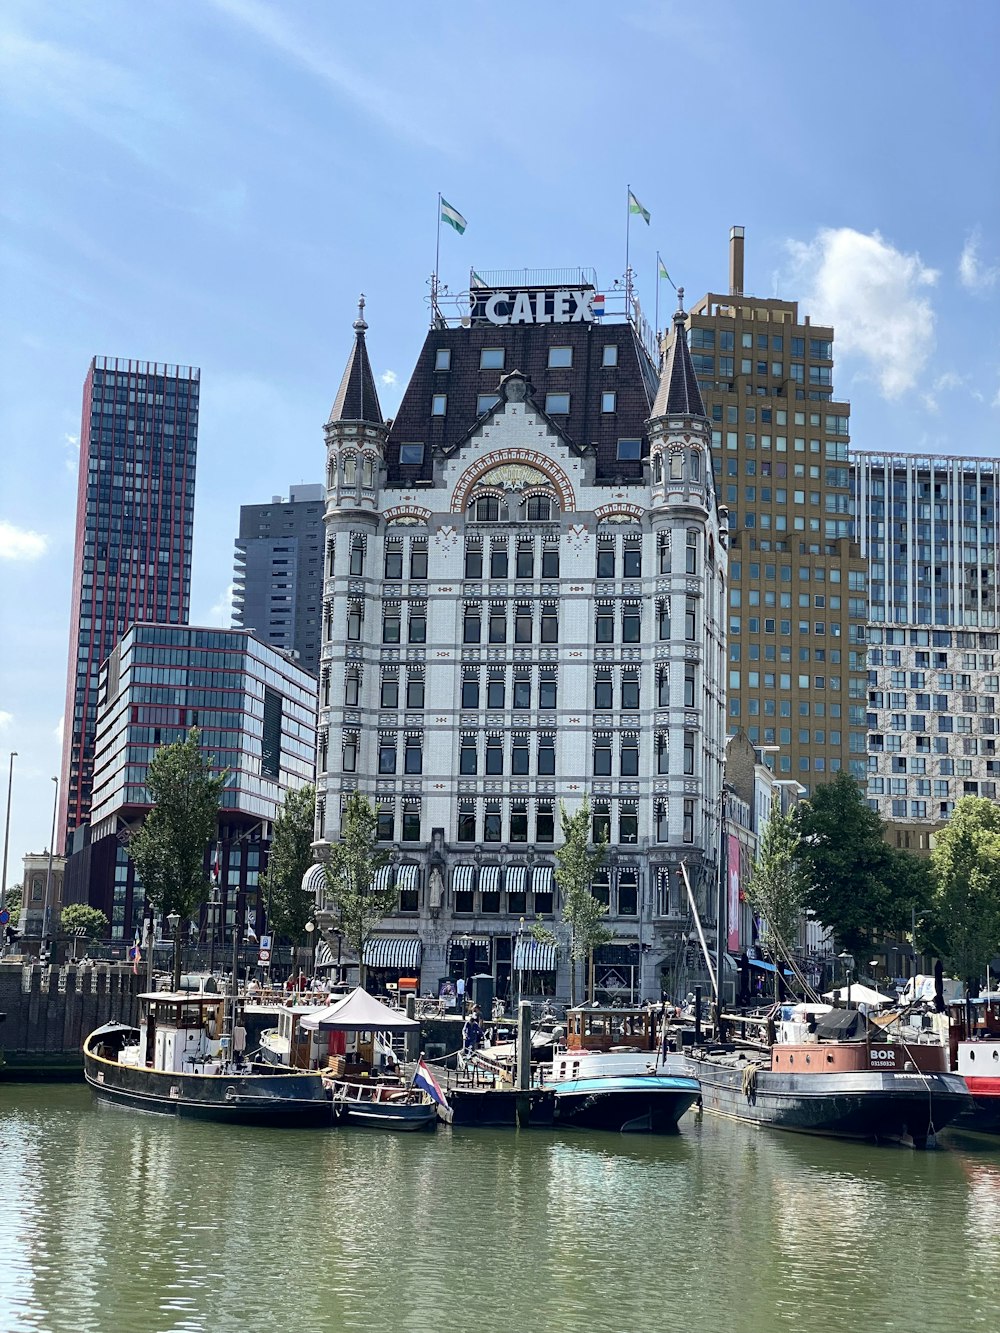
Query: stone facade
(513, 630)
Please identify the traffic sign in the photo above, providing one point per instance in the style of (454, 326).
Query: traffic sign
(263, 955)
(4, 917)
(265, 941)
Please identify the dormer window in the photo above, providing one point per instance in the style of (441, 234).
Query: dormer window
(610, 357)
(439, 404)
(412, 454)
(491, 358)
(608, 401)
(629, 450)
(485, 401)
(560, 357)
(557, 404)
(442, 358)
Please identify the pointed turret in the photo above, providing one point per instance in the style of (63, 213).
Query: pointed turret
(357, 398)
(678, 394)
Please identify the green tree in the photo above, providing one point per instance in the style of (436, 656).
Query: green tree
(168, 850)
(857, 885)
(351, 871)
(289, 906)
(13, 900)
(966, 906)
(777, 885)
(78, 916)
(577, 864)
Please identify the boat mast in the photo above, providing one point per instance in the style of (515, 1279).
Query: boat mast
(701, 934)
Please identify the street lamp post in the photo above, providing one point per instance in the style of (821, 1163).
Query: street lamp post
(174, 921)
(848, 960)
(213, 910)
(6, 832)
(47, 912)
(311, 932)
(519, 960)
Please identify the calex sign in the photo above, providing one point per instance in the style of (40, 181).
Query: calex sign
(562, 306)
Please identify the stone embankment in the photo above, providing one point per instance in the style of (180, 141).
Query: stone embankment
(48, 1012)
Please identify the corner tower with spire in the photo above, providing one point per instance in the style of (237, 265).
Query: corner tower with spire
(691, 537)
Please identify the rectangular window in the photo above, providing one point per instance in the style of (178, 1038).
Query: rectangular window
(492, 826)
(629, 757)
(550, 624)
(414, 759)
(387, 754)
(415, 692)
(628, 825)
(410, 454)
(631, 621)
(525, 562)
(544, 832)
(470, 692)
(610, 355)
(630, 693)
(442, 358)
(519, 756)
(466, 821)
(473, 562)
(546, 755)
(491, 358)
(495, 693)
(485, 401)
(439, 404)
(418, 563)
(472, 625)
(393, 568)
(468, 758)
(602, 757)
(629, 450)
(389, 697)
(632, 562)
(498, 626)
(601, 822)
(519, 821)
(418, 626)
(550, 562)
(522, 625)
(560, 357)
(605, 562)
(605, 625)
(411, 824)
(608, 401)
(603, 692)
(522, 694)
(547, 694)
(557, 404)
(386, 831)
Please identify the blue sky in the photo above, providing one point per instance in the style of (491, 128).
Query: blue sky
(213, 183)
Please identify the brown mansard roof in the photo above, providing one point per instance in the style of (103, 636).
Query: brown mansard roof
(526, 349)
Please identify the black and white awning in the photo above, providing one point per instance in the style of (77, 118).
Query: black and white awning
(408, 877)
(542, 880)
(393, 951)
(463, 878)
(517, 879)
(531, 955)
(383, 878)
(489, 879)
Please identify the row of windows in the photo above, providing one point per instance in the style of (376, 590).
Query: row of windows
(524, 561)
(820, 349)
(492, 358)
(497, 623)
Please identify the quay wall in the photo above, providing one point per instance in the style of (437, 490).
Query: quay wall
(49, 1011)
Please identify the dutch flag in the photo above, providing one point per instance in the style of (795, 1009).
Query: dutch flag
(597, 305)
(425, 1080)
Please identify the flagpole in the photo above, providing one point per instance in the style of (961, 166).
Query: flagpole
(656, 317)
(437, 266)
(628, 230)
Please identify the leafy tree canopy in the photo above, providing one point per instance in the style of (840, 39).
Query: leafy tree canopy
(351, 871)
(78, 916)
(858, 886)
(966, 904)
(289, 907)
(777, 885)
(577, 864)
(169, 848)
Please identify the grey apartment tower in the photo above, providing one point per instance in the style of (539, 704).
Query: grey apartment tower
(279, 572)
(134, 525)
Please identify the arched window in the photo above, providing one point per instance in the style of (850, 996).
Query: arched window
(676, 467)
(350, 469)
(539, 508)
(487, 509)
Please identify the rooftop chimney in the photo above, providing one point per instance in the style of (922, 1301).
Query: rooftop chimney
(736, 261)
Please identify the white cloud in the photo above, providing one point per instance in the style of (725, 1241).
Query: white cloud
(5, 718)
(872, 295)
(20, 543)
(971, 273)
(57, 730)
(222, 610)
(388, 378)
(945, 382)
(72, 460)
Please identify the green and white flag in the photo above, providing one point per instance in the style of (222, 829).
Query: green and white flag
(635, 207)
(662, 270)
(453, 217)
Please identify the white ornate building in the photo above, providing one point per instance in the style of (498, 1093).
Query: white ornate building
(524, 606)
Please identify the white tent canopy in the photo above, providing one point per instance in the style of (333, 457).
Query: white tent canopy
(358, 1012)
(860, 995)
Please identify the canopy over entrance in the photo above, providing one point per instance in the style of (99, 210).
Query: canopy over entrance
(358, 1012)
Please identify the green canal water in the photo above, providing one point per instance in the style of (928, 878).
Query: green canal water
(112, 1222)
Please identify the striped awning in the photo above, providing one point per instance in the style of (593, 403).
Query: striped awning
(408, 877)
(531, 955)
(314, 880)
(517, 879)
(393, 951)
(463, 877)
(383, 878)
(542, 880)
(324, 956)
(489, 879)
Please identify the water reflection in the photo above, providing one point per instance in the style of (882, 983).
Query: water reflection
(114, 1221)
